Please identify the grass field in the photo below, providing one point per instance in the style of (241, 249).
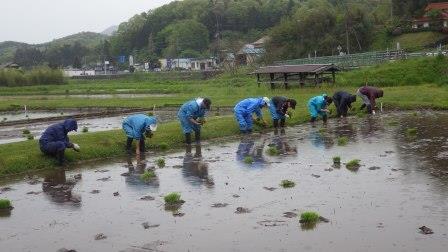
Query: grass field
(225, 90)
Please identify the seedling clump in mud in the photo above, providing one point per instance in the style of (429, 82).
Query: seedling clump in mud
(287, 183)
(85, 129)
(337, 160)
(160, 162)
(353, 164)
(173, 199)
(411, 131)
(26, 132)
(30, 137)
(5, 204)
(163, 146)
(273, 151)
(342, 141)
(309, 217)
(249, 160)
(148, 175)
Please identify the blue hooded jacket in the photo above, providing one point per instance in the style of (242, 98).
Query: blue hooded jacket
(249, 106)
(58, 133)
(135, 125)
(191, 109)
(316, 104)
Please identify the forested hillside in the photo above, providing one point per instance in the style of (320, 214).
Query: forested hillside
(203, 28)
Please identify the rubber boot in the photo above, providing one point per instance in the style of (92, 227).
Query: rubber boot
(197, 137)
(129, 145)
(60, 157)
(369, 109)
(188, 138)
(243, 132)
(325, 118)
(249, 131)
(313, 119)
(275, 121)
(363, 106)
(142, 146)
(282, 123)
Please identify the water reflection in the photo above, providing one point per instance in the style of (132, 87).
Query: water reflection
(282, 143)
(133, 176)
(427, 150)
(248, 148)
(321, 139)
(371, 126)
(345, 128)
(59, 189)
(195, 169)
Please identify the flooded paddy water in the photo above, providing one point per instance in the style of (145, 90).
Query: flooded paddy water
(402, 184)
(13, 132)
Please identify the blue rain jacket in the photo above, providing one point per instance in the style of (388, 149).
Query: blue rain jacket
(135, 125)
(55, 137)
(190, 110)
(244, 110)
(315, 106)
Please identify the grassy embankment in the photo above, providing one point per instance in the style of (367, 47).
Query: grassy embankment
(227, 90)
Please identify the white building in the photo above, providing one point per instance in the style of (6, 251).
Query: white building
(188, 64)
(78, 72)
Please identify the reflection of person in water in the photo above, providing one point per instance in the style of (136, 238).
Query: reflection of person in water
(281, 143)
(194, 169)
(59, 188)
(371, 127)
(321, 140)
(247, 148)
(135, 171)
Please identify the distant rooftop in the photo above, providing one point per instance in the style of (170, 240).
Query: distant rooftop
(308, 68)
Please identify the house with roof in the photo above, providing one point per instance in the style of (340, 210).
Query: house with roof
(249, 53)
(435, 17)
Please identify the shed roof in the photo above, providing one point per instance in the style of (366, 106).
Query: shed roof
(308, 68)
(437, 6)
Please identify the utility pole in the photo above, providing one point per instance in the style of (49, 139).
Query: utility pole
(347, 40)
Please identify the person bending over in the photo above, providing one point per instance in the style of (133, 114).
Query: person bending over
(138, 127)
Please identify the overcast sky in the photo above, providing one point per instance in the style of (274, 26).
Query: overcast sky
(37, 21)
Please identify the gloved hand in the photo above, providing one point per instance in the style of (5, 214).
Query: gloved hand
(373, 112)
(287, 116)
(76, 147)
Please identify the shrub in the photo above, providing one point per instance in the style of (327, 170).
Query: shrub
(160, 162)
(287, 183)
(172, 198)
(5, 204)
(309, 217)
(36, 76)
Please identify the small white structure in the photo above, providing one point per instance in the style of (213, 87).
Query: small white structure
(78, 72)
(188, 64)
(203, 64)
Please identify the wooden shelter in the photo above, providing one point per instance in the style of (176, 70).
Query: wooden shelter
(286, 74)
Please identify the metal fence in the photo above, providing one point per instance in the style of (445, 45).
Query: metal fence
(354, 60)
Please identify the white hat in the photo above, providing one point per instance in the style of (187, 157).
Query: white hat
(267, 101)
(153, 127)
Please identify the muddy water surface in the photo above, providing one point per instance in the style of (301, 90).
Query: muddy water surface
(401, 186)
